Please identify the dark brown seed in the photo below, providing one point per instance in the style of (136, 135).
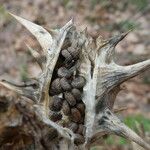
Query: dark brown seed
(51, 135)
(66, 108)
(67, 55)
(4, 104)
(75, 115)
(79, 139)
(84, 130)
(81, 129)
(65, 84)
(56, 103)
(77, 94)
(73, 126)
(66, 44)
(81, 120)
(81, 108)
(64, 72)
(55, 116)
(55, 87)
(70, 98)
(78, 82)
(74, 52)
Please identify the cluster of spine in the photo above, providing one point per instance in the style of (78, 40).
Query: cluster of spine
(66, 92)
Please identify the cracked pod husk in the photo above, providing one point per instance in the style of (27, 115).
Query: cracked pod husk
(73, 97)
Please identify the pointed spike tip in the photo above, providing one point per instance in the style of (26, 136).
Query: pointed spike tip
(72, 20)
(10, 13)
(84, 32)
(68, 25)
(41, 34)
(16, 17)
(115, 40)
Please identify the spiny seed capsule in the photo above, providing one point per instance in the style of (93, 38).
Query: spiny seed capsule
(75, 115)
(56, 103)
(66, 108)
(65, 84)
(55, 87)
(70, 98)
(64, 72)
(73, 126)
(78, 82)
(55, 116)
(81, 108)
(79, 139)
(77, 94)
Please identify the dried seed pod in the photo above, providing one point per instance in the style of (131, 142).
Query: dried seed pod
(67, 55)
(79, 139)
(106, 84)
(55, 87)
(81, 108)
(81, 129)
(73, 126)
(75, 115)
(77, 94)
(65, 84)
(64, 72)
(70, 98)
(56, 103)
(55, 116)
(66, 108)
(78, 82)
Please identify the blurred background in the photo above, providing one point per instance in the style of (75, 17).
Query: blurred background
(101, 17)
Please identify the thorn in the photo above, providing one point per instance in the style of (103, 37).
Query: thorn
(109, 46)
(121, 74)
(22, 88)
(85, 31)
(34, 53)
(11, 86)
(42, 35)
(67, 26)
(73, 19)
(116, 110)
(135, 69)
(116, 39)
(51, 31)
(110, 123)
(36, 56)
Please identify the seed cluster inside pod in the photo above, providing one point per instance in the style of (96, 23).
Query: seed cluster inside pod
(66, 91)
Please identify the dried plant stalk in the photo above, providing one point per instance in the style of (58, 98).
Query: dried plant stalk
(73, 97)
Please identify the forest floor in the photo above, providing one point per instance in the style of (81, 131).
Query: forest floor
(104, 17)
